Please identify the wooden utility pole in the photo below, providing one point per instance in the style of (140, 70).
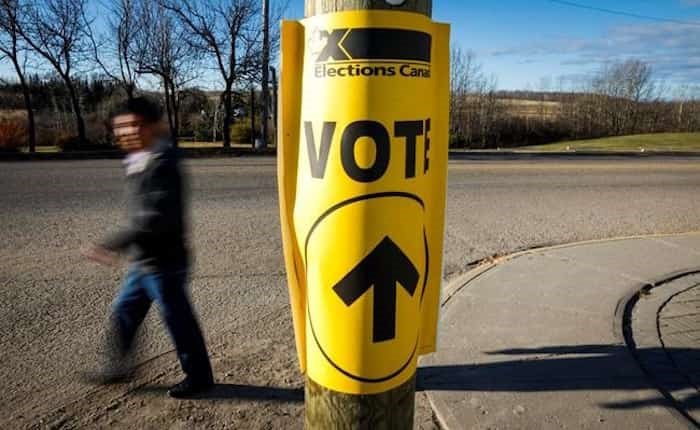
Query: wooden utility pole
(252, 117)
(275, 88)
(327, 409)
(265, 84)
(317, 7)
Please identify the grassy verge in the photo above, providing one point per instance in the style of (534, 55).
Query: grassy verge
(687, 142)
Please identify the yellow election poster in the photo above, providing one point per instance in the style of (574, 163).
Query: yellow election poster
(362, 174)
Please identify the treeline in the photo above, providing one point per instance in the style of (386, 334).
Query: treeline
(622, 98)
(52, 113)
(168, 46)
(200, 112)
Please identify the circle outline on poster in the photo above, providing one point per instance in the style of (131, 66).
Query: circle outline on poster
(316, 223)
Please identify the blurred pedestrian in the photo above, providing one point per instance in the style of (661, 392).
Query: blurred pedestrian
(155, 240)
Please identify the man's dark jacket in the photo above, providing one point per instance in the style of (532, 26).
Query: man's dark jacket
(155, 190)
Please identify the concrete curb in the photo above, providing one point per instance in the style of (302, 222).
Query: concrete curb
(454, 286)
(625, 327)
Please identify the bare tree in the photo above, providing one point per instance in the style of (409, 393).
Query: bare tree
(640, 87)
(622, 86)
(473, 106)
(55, 29)
(686, 112)
(464, 71)
(11, 48)
(161, 49)
(117, 45)
(227, 32)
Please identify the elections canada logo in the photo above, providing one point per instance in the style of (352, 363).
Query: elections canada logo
(370, 52)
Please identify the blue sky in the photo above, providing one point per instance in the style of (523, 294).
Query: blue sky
(526, 44)
(543, 44)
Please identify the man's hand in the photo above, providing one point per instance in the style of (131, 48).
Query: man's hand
(100, 255)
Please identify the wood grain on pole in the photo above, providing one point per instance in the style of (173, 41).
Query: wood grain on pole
(327, 409)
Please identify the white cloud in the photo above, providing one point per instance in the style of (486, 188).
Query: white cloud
(672, 49)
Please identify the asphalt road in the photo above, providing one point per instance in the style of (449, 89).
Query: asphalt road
(53, 304)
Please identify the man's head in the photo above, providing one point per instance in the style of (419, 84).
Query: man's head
(136, 124)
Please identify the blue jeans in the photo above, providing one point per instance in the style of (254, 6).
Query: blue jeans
(168, 290)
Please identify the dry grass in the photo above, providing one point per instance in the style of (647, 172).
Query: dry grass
(532, 108)
(12, 114)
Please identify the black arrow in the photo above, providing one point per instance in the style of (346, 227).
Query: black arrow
(382, 268)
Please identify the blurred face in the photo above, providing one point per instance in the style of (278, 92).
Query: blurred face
(131, 133)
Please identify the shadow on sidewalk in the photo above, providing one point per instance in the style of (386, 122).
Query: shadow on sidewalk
(572, 368)
(241, 392)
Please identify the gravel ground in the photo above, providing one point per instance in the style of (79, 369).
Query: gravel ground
(53, 304)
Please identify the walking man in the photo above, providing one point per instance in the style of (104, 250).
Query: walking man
(155, 240)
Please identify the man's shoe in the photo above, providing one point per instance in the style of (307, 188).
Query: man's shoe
(189, 388)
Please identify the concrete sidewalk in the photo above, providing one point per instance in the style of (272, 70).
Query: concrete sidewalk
(592, 335)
